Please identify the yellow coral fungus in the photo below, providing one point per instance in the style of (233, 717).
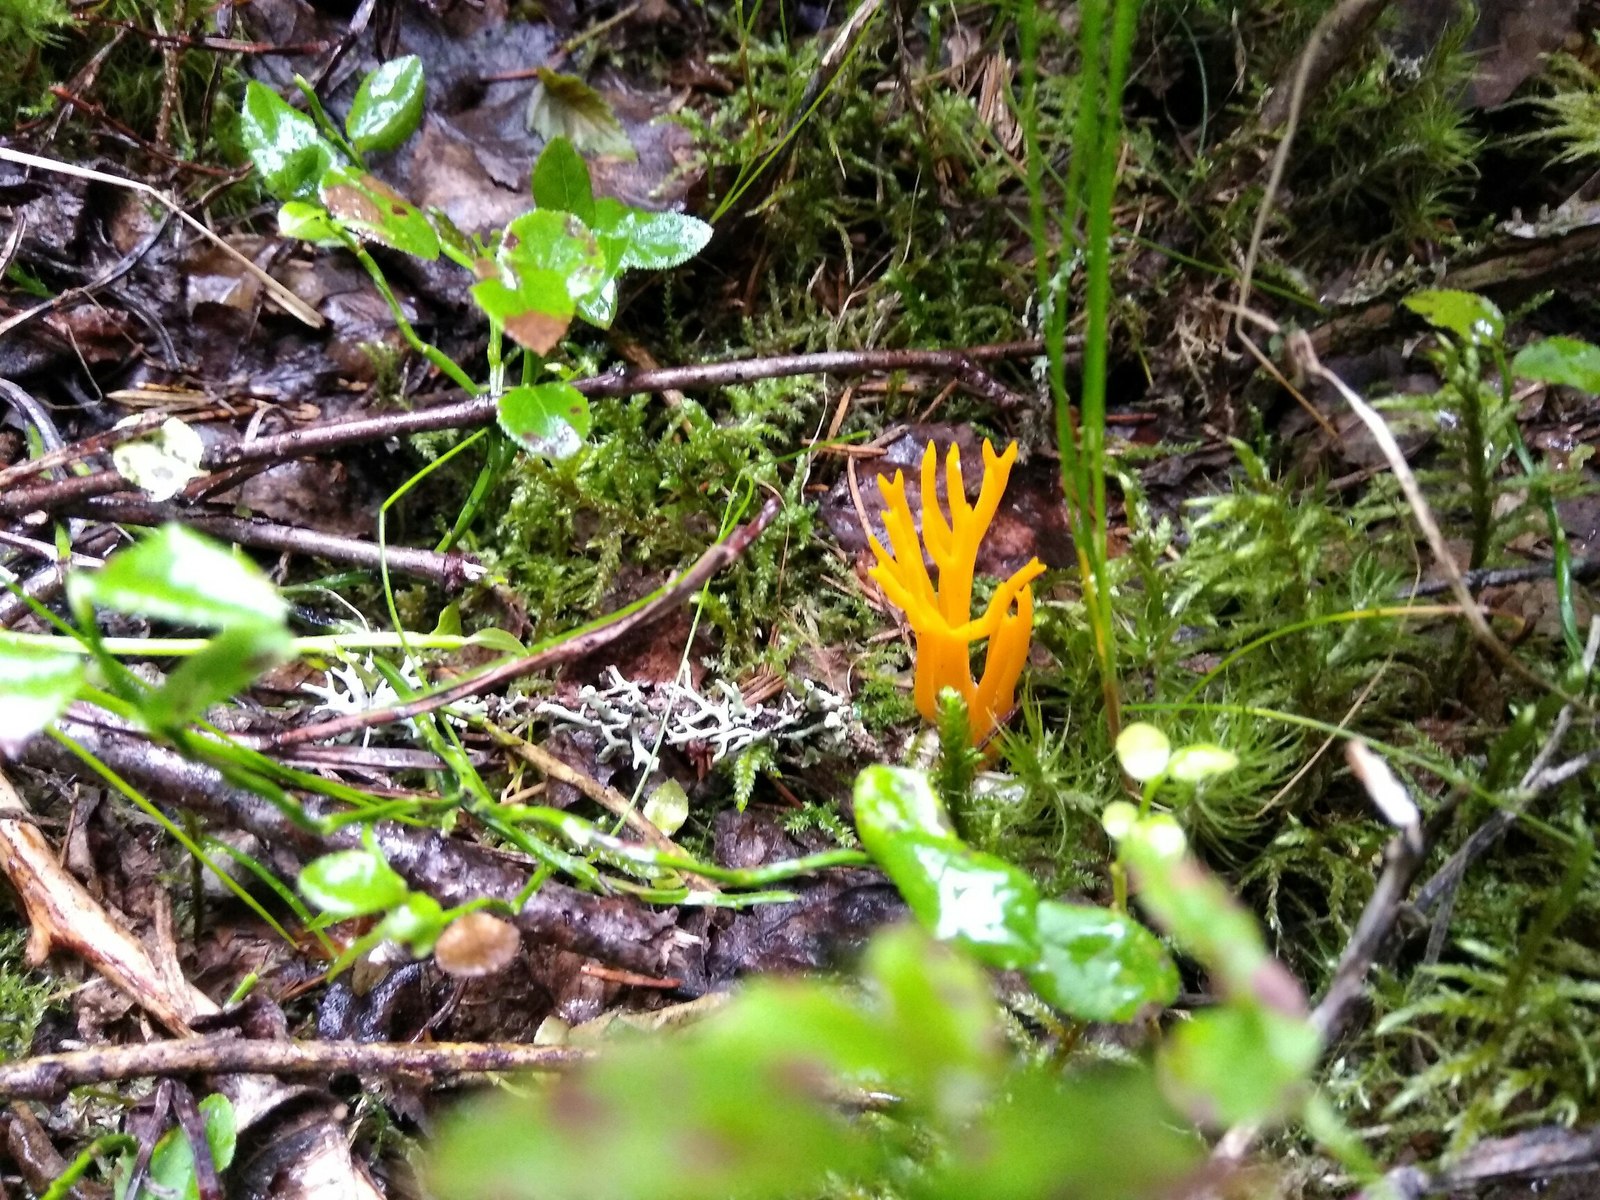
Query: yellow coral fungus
(941, 617)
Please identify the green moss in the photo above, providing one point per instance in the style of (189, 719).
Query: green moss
(25, 996)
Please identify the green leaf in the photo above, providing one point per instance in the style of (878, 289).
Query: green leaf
(162, 463)
(1098, 1134)
(631, 238)
(1200, 762)
(1566, 362)
(546, 262)
(352, 883)
(1473, 319)
(940, 1039)
(1143, 750)
(565, 106)
(890, 801)
(372, 209)
(36, 684)
(177, 575)
(1204, 918)
(388, 105)
(1238, 1063)
(1099, 965)
(667, 806)
(548, 240)
(307, 223)
(498, 639)
(229, 664)
(289, 154)
(550, 419)
(415, 923)
(636, 239)
(680, 1118)
(599, 307)
(534, 307)
(975, 901)
(171, 1171)
(561, 181)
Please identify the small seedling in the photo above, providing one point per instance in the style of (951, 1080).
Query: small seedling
(558, 261)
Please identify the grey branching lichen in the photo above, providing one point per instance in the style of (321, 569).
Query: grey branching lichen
(630, 719)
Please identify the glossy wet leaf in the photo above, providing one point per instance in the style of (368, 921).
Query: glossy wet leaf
(1099, 965)
(561, 181)
(36, 684)
(181, 576)
(1143, 750)
(288, 153)
(1564, 361)
(550, 240)
(975, 901)
(564, 106)
(171, 1171)
(1238, 1063)
(637, 239)
(372, 209)
(599, 307)
(388, 105)
(546, 262)
(893, 800)
(162, 463)
(233, 660)
(308, 223)
(549, 419)
(352, 883)
(1476, 321)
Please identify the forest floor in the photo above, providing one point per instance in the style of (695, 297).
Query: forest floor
(646, 798)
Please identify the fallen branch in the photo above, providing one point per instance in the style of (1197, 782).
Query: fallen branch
(62, 915)
(450, 571)
(480, 411)
(50, 1076)
(615, 931)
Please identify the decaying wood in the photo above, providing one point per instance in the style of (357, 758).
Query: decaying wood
(614, 931)
(63, 916)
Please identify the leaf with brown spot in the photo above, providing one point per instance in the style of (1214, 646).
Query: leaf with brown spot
(372, 209)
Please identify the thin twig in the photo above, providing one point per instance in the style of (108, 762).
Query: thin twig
(291, 303)
(1440, 889)
(578, 646)
(49, 1077)
(481, 411)
(450, 571)
(608, 798)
